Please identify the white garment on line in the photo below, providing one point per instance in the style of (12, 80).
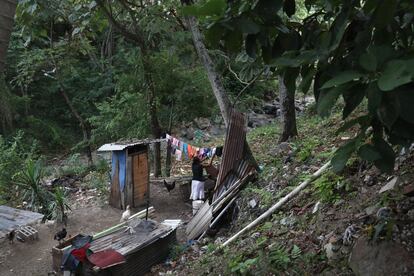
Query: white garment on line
(197, 190)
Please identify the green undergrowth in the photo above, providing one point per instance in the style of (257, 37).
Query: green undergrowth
(273, 246)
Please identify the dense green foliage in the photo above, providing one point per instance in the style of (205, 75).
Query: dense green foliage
(72, 46)
(73, 79)
(354, 49)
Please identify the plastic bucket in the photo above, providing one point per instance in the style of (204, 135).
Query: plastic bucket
(197, 205)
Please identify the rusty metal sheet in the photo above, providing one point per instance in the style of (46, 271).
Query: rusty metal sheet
(243, 169)
(234, 167)
(233, 149)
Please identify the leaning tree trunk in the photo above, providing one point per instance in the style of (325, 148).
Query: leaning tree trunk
(214, 78)
(288, 112)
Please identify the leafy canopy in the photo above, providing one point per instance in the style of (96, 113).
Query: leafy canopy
(360, 50)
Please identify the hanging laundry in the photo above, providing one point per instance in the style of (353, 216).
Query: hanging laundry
(192, 151)
(185, 150)
(188, 151)
(178, 155)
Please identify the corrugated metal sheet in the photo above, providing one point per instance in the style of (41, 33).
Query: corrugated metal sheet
(243, 168)
(200, 222)
(126, 243)
(123, 145)
(141, 261)
(233, 149)
(12, 219)
(235, 169)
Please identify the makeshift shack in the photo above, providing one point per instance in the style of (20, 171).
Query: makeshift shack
(130, 248)
(130, 172)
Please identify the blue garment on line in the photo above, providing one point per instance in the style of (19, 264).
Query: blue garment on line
(185, 150)
(119, 158)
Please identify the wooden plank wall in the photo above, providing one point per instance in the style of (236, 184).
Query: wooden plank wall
(140, 178)
(129, 186)
(115, 197)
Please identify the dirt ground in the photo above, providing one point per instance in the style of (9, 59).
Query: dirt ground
(34, 258)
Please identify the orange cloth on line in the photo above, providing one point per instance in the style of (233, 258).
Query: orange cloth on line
(190, 151)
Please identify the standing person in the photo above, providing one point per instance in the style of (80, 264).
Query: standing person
(197, 184)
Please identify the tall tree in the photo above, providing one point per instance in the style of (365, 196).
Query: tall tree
(137, 36)
(7, 11)
(287, 111)
(214, 78)
(354, 49)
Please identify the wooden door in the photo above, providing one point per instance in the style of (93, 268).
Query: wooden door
(115, 197)
(140, 176)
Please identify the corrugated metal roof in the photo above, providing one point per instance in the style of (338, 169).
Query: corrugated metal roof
(127, 144)
(125, 243)
(12, 219)
(141, 261)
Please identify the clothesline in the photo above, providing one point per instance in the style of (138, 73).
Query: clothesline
(184, 150)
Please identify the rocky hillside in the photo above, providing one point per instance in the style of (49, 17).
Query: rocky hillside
(358, 222)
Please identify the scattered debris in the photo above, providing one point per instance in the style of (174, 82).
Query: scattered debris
(316, 207)
(390, 185)
(288, 221)
(348, 235)
(252, 203)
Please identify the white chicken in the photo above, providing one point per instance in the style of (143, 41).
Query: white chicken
(126, 214)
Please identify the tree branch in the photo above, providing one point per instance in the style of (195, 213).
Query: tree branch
(127, 34)
(178, 19)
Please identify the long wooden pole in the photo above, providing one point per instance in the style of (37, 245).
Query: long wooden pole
(275, 207)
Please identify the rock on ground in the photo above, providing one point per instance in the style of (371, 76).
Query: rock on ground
(383, 258)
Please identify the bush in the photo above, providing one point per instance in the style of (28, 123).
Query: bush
(14, 153)
(28, 181)
(74, 165)
(58, 207)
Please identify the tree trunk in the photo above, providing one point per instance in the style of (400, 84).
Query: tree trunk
(215, 80)
(7, 11)
(169, 148)
(155, 124)
(288, 112)
(84, 126)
